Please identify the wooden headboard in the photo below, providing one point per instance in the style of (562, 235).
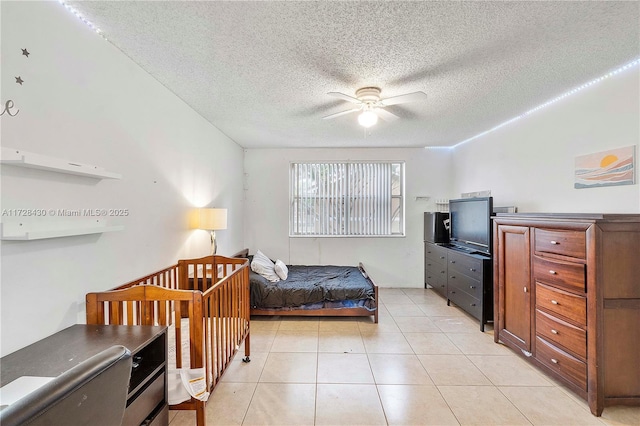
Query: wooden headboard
(244, 253)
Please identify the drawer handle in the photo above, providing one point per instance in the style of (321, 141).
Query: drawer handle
(555, 243)
(453, 277)
(554, 331)
(452, 261)
(441, 257)
(555, 302)
(472, 287)
(136, 362)
(453, 292)
(473, 269)
(553, 272)
(473, 304)
(553, 360)
(525, 289)
(442, 285)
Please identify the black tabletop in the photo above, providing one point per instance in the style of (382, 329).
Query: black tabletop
(59, 352)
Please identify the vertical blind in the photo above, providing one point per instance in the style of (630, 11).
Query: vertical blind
(341, 199)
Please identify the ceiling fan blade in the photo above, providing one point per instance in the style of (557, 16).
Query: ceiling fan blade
(338, 114)
(386, 115)
(345, 97)
(409, 97)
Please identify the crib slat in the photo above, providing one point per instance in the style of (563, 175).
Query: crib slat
(129, 313)
(178, 334)
(114, 313)
(162, 313)
(195, 328)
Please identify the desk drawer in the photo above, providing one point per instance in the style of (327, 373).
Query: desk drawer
(161, 418)
(562, 333)
(561, 302)
(566, 243)
(145, 402)
(564, 274)
(562, 363)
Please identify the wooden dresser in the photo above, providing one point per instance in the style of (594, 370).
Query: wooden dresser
(567, 298)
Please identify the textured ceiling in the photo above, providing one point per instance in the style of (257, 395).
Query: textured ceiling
(260, 71)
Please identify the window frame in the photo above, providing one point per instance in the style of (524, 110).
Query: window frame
(401, 196)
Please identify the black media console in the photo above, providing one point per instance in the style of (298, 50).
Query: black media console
(462, 277)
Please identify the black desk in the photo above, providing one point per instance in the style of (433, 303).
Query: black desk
(52, 356)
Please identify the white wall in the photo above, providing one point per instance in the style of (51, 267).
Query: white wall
(391, 261)
(83, 100)
(530, 163)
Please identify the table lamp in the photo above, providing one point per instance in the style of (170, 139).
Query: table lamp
(211, 220)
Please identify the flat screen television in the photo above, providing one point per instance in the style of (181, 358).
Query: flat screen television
(471, 223)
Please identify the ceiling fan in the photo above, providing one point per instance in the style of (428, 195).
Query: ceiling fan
(371, 106)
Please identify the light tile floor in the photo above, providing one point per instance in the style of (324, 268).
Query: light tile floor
(423, 364)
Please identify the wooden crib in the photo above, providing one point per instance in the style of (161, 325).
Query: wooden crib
(208, 296)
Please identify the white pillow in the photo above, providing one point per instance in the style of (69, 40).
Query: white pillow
(281, 269)
(262, 265)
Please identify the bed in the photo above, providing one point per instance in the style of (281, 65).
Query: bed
(205, 305)
(314, 290)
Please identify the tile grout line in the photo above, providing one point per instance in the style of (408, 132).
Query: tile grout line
(434, 383)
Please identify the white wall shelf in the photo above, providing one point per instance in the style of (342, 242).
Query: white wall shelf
(16, 157)
(28, 232)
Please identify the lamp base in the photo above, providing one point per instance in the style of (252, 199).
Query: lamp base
(214, 246)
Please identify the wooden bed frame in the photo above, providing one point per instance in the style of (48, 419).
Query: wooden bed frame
(322, 312)
(217, 309)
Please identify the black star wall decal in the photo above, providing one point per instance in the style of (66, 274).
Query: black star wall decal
(25, 52)
(19, 80)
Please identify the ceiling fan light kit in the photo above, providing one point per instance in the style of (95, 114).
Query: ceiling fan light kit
(370, 104)
(368, 118)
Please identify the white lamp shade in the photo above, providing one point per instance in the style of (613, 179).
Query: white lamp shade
(210, 219)
(368, 118)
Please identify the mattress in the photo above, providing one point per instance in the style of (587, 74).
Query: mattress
(311, 287)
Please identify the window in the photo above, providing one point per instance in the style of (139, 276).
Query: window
(347, 199)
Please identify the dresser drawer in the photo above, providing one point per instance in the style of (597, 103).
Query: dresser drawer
(435, 253)
(440, 269)
(562, 363)
(561, 333)
(435, 272)
(437, 279)
(561, 302)
(466, 284)
(434, 278)
(465, 301)
(565, 274)
(465, 264)
(566, 243)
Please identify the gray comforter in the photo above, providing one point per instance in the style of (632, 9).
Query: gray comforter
(310, 284)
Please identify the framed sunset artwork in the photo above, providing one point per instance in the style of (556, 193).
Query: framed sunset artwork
(606, 168)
